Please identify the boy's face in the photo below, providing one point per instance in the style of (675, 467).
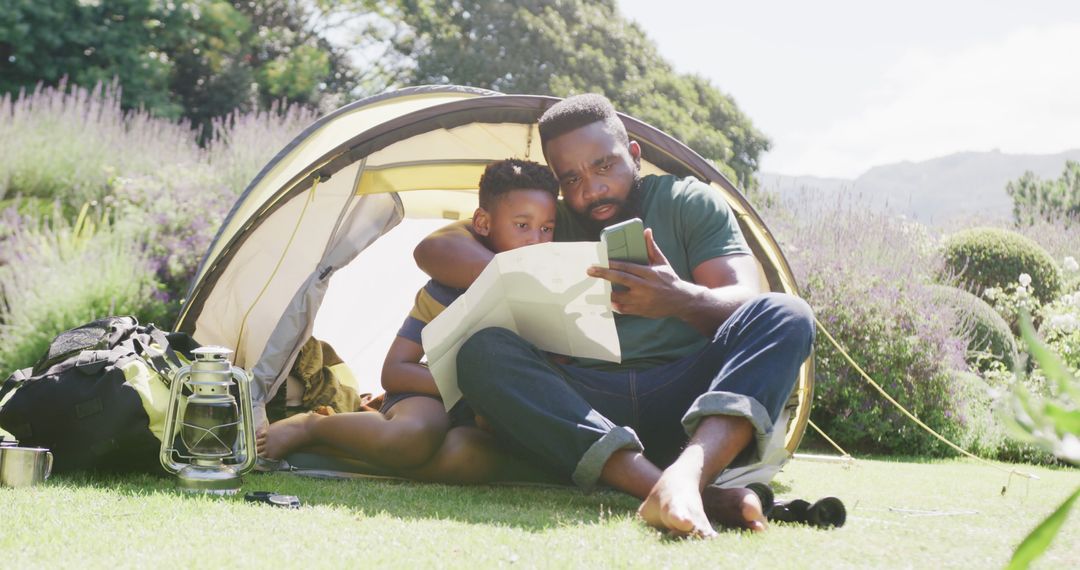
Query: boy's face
(516, 219)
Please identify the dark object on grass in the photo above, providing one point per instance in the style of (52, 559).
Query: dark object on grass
(765, 495)
(271, 498)
(828, 512)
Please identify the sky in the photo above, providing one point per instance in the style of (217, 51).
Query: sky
(840, 86)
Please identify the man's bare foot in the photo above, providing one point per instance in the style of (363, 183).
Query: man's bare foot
(288, 434)
(675, 505)
(736, 508)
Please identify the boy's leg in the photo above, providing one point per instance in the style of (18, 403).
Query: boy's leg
(406, 436)
(470, 456)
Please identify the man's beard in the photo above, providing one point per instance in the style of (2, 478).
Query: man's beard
(627, 208)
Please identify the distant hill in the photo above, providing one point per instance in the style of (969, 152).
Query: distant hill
(930, 191)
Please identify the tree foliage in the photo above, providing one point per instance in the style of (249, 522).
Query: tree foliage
(200, 59)
(88, 42)
(565, 47)
(196, 59)
(1036, 199)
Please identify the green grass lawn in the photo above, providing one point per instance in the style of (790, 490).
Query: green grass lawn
(900, 514)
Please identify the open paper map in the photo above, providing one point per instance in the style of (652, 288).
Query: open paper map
(540, 292)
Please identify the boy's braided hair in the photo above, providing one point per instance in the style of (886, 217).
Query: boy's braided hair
(515, 174)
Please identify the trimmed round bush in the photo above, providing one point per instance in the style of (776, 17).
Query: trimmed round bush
(981, 258)
(985, 330)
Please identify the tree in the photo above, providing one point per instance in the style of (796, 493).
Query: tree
(1035, 199)
(88, 42)
(196, 59)
(564, 47)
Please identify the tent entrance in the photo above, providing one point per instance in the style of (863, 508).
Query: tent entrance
(368, 299)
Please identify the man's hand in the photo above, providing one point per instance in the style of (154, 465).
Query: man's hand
(653, 290)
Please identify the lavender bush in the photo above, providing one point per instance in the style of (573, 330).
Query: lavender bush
(57, 274)
(68, 143)
(157, 198)
(243, 143)
(869, 278)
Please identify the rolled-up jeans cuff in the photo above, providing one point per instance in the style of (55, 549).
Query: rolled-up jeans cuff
(592, 463)
(731, 404)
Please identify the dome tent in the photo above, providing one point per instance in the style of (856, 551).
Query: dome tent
(354, 175)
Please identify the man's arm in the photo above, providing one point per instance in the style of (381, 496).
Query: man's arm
(720, 286)
(452, 255)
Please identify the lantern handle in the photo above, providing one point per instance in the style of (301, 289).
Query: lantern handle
(169, 434)
(243, 381)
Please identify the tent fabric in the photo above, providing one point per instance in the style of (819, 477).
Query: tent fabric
(356, 173)
(373, 216)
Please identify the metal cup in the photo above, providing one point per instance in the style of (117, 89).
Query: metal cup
(24, 466)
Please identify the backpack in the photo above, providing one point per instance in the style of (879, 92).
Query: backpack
(98, 397)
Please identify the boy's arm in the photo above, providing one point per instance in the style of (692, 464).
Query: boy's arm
(402, 371)
(452, 255)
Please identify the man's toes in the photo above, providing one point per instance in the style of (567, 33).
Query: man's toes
(706, 532)
(679, 523)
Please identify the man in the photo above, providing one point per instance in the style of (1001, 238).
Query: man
(708, 362)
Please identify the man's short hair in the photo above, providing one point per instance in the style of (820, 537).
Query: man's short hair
(576, 112)
(514, 174)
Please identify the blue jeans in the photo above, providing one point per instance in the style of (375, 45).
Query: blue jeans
(573, 419)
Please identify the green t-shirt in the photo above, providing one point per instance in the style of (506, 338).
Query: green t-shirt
(691, 223)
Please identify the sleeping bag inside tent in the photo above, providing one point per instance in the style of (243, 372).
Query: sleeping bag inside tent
(414, 155)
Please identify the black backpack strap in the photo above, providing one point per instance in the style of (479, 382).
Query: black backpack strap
(155, 348)
(13, 381)
(90, 361)
(183, 344)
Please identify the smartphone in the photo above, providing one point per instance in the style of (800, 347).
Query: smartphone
(625, 241)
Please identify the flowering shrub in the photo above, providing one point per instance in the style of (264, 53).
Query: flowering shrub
(56, 275)
(175, 220)
(1060, 326)
(1071, 270)
(1058, 321)
(67, 144)
(159, 199)
(990, 340)
(243, 143)
(869, 279)
(1011, 301)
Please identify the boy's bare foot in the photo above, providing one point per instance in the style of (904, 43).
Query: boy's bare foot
(736, 508)
(675, 505)
(288, 434)
(260, 439)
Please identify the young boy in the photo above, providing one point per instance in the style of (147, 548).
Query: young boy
(409, 434)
